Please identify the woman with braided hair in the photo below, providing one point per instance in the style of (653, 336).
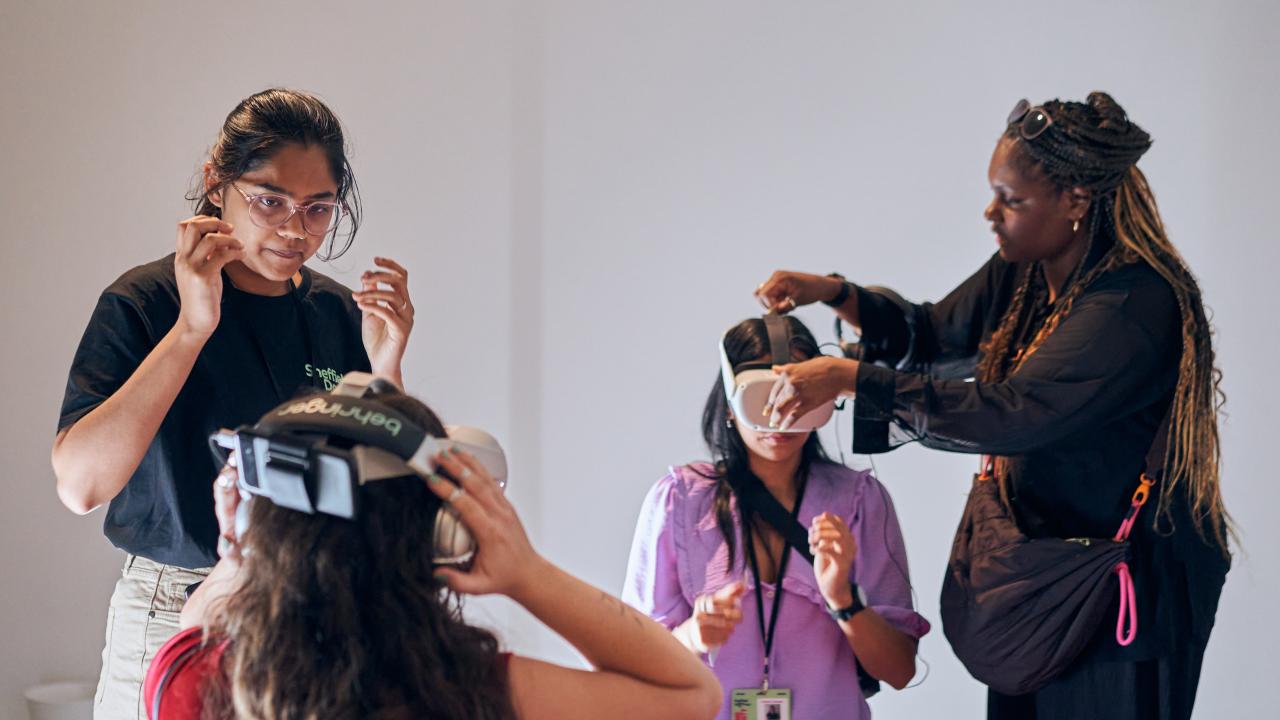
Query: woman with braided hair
(1059, 358)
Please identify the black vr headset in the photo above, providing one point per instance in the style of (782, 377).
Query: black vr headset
(287, 458)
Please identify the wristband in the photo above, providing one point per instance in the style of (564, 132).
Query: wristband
(858, 604)
(841, 296)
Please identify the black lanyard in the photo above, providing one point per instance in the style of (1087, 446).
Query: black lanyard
(768, 633)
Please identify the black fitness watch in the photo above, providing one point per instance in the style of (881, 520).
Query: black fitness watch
(841, 296)
(858, 605)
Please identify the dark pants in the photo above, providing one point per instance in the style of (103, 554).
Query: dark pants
(1098, 689)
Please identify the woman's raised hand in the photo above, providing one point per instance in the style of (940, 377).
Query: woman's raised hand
(715, 616)
(205, 245)
(834, 550)
(785, 291)
(505, 562)
(805, 386)
(386, 316)
(226, 498)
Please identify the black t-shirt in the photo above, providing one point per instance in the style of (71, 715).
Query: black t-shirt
(264, 351)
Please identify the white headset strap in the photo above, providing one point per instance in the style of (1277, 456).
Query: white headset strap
(728, 379)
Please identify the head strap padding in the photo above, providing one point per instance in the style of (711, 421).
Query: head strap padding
(345, 413)
(779, 338)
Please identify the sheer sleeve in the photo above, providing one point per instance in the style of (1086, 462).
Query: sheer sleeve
(1113, 353)
(939, 338)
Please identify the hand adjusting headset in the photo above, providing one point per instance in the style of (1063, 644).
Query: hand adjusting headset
(287, 458)
(747, 385)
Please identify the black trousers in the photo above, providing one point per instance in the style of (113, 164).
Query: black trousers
(1100, 689)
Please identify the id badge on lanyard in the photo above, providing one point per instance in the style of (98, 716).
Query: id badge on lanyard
(760, 704)
(764, 702)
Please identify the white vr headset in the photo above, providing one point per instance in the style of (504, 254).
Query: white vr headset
(748, 385)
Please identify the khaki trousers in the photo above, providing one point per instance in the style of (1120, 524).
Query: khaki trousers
(143, 616)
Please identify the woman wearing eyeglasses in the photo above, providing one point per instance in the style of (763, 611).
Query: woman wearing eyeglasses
(212, 336)
(1060, 357)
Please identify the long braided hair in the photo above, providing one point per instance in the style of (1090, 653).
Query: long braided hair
(1094, 146)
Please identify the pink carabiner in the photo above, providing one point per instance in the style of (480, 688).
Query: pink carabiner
(1128, 606)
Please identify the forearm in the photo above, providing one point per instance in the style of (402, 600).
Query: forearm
(610, 634)
(884, 651)
(222, 581)
(95, 457)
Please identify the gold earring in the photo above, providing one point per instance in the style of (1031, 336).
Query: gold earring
(1075, 226)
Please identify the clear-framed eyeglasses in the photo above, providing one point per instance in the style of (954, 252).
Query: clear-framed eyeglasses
(270, 210)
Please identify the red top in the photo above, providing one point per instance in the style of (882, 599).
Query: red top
(181, 666)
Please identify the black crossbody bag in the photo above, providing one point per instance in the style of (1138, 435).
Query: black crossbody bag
(1017, 610)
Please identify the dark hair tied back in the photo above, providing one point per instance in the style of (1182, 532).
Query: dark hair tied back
(257, 128)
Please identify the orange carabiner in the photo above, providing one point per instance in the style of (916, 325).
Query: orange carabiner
(1144, 489)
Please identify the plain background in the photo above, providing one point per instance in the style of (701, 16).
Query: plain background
(585, 194)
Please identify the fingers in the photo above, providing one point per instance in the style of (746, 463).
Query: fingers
(473, 514)
(778, 386)
(391, 265)
(730, 593)
(786, 405)
(717, 612)
(827, 547)
(827, 525)
(397, 281)
(213, 251)
(225, 494)
(777, 294)
(395, 302)
(469, 474)
(222, 254)
(462, 582)
(191, 230)
(390, 316)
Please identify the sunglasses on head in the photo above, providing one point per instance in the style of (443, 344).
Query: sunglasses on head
(1032, 121)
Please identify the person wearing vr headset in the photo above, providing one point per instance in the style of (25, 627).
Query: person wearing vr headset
(783, 570)
(335, 595)
(210, 336)
(1059, 357)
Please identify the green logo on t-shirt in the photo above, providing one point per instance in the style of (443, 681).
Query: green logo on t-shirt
(328, 376)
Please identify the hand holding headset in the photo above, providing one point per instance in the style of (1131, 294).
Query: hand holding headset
(287, 458)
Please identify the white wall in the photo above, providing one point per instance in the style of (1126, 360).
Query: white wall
(586, 193)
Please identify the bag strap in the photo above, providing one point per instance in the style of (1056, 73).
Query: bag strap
(1151, 474)
(755, 496)
(1127, 617)
(758, 498)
